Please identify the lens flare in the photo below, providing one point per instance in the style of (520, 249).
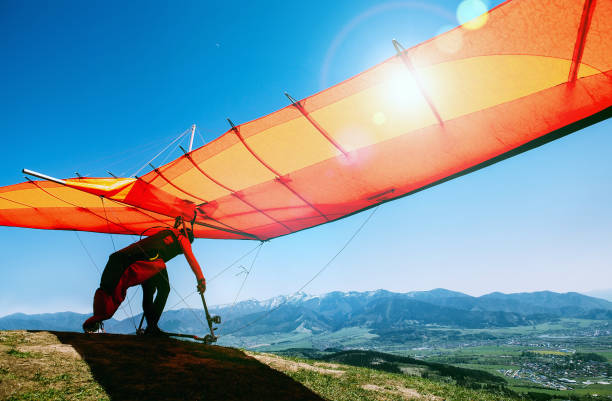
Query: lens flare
(472, 14)
(358, 20)
(451, 41)
(379, 118)
(401, 90)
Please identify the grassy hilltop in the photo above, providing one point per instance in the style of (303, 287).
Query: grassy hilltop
(46, 366)
(73, 366)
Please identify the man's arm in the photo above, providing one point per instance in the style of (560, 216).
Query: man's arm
(193, 263)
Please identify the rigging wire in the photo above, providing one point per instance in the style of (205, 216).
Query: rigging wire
(205, 325)
(162, 151)
(201, 136)
(329, 262)
(169, 153)
(258, 248)
(112, 159)
(183, 300)
(247, 273)
(220, 273)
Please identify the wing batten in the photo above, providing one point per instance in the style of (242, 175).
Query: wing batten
(405, 57)
(583, 30)
(158, 172)
(279, 178)
(233, 193)
(316, 125)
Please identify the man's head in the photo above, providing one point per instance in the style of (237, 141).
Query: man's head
(179, 223)
(189, 234)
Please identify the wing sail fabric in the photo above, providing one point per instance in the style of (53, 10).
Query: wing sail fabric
(534, 72)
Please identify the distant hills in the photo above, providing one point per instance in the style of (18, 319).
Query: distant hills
(603, 294)
(380, 312)
(383, 310)
(60, 321)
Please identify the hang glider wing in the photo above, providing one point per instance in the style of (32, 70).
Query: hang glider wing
(465, 99)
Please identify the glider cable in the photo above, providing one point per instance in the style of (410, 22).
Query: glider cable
(247, 273)
(221, 272)
(162, 151)
(200, 135)
(329, 262)
(186, 304)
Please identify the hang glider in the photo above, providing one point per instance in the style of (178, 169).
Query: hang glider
(536, 71)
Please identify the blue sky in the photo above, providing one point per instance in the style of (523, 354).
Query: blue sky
(97, 86)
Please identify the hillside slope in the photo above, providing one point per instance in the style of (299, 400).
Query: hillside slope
(73, 366)
(63, 365)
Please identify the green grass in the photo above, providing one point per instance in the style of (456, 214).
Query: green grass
(361, 384)
(353, 384)
(42, 376)
(605, 353)
(561, 324)
(59, 378)
(550, 352)
(348, 337)
(19, 354)
(43, 395)
(592, 389)
(488, 368)
(52, 394)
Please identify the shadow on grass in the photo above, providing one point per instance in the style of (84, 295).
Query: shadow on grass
(131, 367)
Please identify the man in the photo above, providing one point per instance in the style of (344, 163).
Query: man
(143, 262)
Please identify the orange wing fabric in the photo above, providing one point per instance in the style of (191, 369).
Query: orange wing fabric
(465, 99)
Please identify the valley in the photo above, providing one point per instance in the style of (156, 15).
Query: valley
(541, 345)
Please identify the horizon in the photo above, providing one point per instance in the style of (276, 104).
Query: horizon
(287, 296)
(106, 94)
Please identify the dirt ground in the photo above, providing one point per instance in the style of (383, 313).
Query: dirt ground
(59, 365)
(284, 365)
(405, 393)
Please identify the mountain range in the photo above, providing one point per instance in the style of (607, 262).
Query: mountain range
(377, 311)
(383, 310)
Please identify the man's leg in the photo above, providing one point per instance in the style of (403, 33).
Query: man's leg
(113, 271)
(104, 307)
(104, 304)
(159, 282)
(107, 300)
(148, 290)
